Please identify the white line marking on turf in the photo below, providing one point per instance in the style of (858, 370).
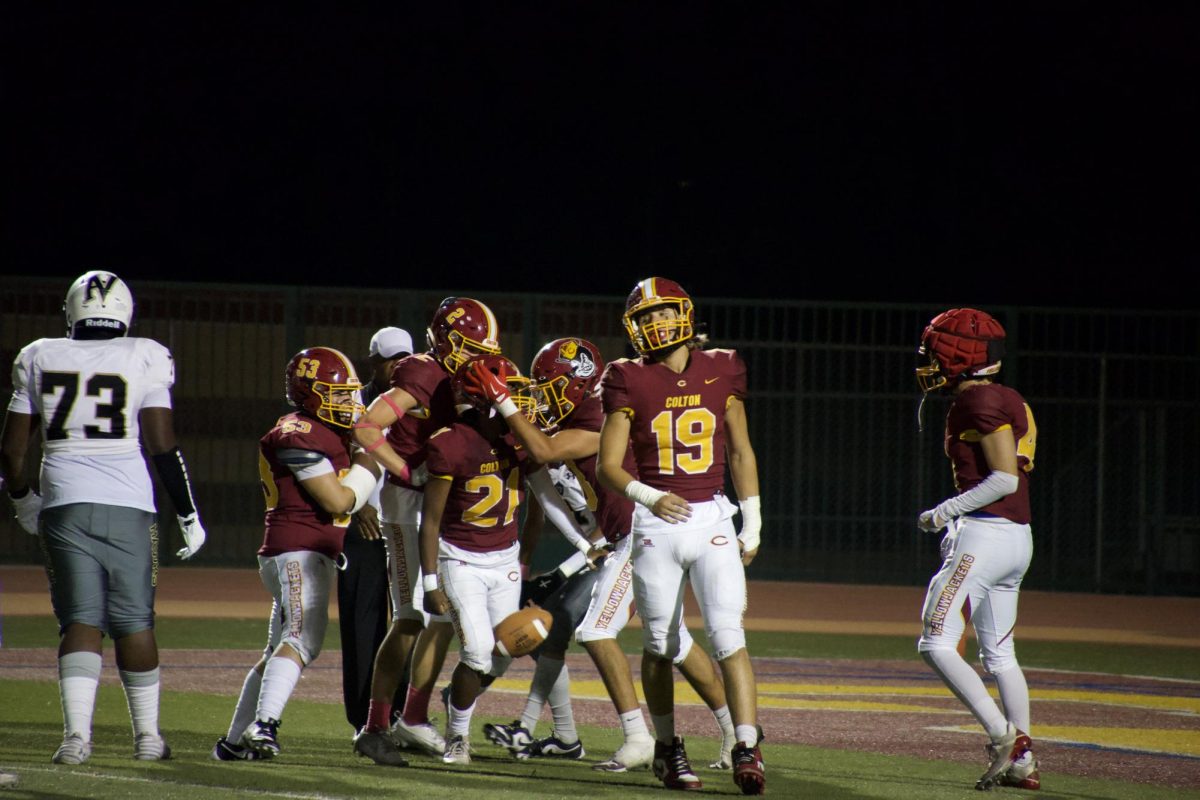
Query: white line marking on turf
(1113, 675)
(102, 776)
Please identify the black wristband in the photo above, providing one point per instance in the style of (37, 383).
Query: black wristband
(173, 474)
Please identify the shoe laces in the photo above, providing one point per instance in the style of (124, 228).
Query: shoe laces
(678, 760)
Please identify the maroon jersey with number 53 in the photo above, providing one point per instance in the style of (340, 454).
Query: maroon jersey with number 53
(980, 410)
(295, 521)
(423, 377)
(677, 420)
(487, 487)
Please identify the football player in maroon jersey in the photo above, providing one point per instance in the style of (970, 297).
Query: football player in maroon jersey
(395, 430)
(468, 545)
(682, 409)
(563, 377)
(990, 439)
(312, 485)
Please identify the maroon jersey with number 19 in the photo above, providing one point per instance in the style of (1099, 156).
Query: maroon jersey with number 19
(976, 412)
(488, 485)
(294, 519)
(677, 420)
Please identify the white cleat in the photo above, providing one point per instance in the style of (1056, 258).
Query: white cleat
(635, 753)
(422, 737)
(73, 750)
(151, 747)
(458, 751)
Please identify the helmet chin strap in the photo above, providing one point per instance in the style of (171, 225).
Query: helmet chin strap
(921, 413)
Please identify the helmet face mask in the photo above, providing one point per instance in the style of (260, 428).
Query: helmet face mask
(98, 299)
(651, 332)
(321, 382)
(957, 345)
(563, 374)
(462, 327)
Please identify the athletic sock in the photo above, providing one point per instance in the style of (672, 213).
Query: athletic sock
(724, 720)
(560, 707)
(1014, 697)
(633, 725)
(545, 676)
(747, 734)
(247, 703)
(78, 679)
(379, 716)
(416, 706)
(278, 682)
(968, 688)
(460, 721)
(141, 694)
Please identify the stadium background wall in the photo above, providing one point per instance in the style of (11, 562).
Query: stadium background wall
(1116, 395)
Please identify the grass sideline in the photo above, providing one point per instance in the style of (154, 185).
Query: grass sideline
(320, 765)
(246, 634)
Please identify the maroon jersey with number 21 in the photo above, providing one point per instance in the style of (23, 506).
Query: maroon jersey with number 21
(677, 420)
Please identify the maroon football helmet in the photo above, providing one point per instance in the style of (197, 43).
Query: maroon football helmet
(462, 327)
(960, 343)
(563, 374)
(321, 382)
(502, 367)
(665, 334)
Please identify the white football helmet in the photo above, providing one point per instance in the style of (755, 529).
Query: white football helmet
(98, 295)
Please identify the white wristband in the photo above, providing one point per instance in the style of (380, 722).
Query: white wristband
(751, 523)
(639, 492)
(574, 563)
(507, 408)
(360, 481)
(430, 583)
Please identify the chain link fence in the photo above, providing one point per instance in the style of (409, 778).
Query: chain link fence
(832, 412)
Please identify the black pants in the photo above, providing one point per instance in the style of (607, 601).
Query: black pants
(363, 618)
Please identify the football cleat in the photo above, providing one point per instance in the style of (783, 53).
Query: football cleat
(379, 747)
(748, 770)
(1003, 753)
(73, 750)
(422, 737)
(636, 753)
(1023, 774)
(458, 751)
(151, 747)
(671, 766)
(725, 755)
(225, 750)
(553, 747)
(262, 737)
(516, 738)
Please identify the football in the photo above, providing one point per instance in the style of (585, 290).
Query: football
(521, 632)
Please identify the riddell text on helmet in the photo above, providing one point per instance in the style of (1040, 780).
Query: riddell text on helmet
(938, 619)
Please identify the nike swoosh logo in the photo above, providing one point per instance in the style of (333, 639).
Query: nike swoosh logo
(710, 380)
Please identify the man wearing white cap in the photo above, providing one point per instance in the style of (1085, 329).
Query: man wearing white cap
(363, 585)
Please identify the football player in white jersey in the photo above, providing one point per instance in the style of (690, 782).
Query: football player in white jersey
(91, 394)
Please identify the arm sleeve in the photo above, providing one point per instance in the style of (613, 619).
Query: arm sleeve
(557, 513)
(992, 488)
(174, 475)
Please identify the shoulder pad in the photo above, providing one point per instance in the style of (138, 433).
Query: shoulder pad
(294, 457)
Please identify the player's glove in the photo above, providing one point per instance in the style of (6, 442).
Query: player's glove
(483, 383)
(750, 534)
(193, 535)
(930, 522)
(539, 587)
(946, 547)
(28, 506)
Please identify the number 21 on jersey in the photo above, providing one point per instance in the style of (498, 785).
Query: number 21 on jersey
(692, 431)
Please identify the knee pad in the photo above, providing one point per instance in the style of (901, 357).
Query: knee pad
(306, 654)
(121, 625)
(726, 641)
(666, 647)
(1002, 659)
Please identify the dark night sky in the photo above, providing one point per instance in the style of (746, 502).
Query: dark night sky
(841, 151)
